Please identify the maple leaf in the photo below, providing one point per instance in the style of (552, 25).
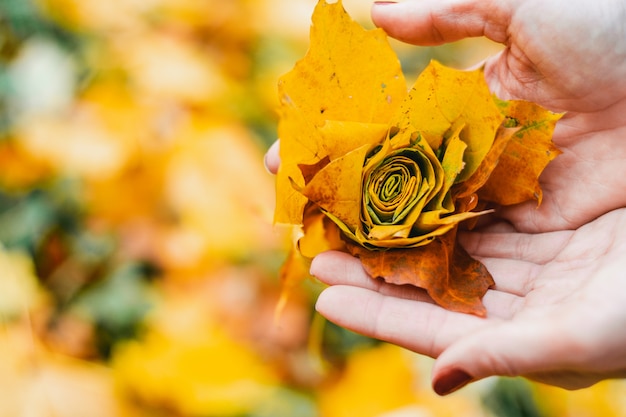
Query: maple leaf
(452, 277)
(525, 156)
(396, 171)
(184, 351)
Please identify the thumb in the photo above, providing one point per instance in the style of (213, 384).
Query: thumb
(433, 22)
(507, 349)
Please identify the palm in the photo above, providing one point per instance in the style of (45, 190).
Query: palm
(551, 296)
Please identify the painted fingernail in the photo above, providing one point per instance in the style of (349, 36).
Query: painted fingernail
(450, 381)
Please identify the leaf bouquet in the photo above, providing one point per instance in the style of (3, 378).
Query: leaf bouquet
(388, 174)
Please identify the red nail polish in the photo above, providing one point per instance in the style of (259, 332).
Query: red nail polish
(451, 381)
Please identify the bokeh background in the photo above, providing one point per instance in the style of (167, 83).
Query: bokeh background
(138, 261)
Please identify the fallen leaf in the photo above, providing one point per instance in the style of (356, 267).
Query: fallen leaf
(374, 381)
(19, 284)
(189, 361)
(37, 382)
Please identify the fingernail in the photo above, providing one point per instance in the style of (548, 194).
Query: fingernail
(313, 267)
(450, 381)
(270, 159)
(265, 164)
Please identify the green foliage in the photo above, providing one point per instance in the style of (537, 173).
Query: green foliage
(27, 218)
(286, 403)
(118, 303)
(339, 342)
(23, 19)
(511, 397)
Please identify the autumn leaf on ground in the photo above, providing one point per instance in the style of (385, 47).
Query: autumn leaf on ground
(385, 381)
(37, 382)
(395, 172)
(188, 360)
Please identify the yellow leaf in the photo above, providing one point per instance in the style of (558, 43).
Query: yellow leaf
(516, 177)
(199, 177)
(19, 289)
(337, 187)
(299, 146)
(320, 235)
(340, 137)
(187, 360)
(36, 382)
(375, 381)
(20, 169)
(367, 87)
(442, 99)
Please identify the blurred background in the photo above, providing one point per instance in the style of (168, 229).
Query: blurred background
(138, 261)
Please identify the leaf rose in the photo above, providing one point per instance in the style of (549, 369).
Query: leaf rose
(388, 174)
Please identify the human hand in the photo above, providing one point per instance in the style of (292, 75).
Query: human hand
(566, 56)
(556, 314)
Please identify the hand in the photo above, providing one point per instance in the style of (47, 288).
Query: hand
(565, 56)
(556, 314)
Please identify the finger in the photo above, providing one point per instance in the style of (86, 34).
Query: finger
(335, 268)
(538, 249)
(508, 348)
(433, 22)
(272, 159)
(421, 327)
(338, 268)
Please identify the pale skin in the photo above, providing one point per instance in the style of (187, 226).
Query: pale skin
(557, 311)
